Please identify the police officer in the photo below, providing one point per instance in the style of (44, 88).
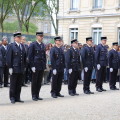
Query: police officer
(113, 65)
(73, 66)
(87, 54)
(5, 66)
(101, 58)
(16, 60)
(37, 61)
(58, 65)
(23, 41)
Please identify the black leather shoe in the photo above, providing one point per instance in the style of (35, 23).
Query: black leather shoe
(13, 101)
(6, 85)
(86, 92)
(35, 99)
(103, 89)
(116, 88)
(59, 95)
(71, 94)
(24, 85)
(91, 92)
(99, 90)
(76, 94)
(112, 88)
(19, 101)
(40, 98)
(54, 95)
(0, 86)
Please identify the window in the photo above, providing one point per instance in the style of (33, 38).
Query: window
(73, 33)
(119, 35)
(96, 34)
(73, 4)
(45, 28)
(97, 4)
(119, 3)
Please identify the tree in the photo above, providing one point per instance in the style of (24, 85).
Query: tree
(52, 7)
(5, 9)
(24, 10)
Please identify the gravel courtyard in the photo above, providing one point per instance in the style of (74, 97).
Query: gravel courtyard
(100, 106)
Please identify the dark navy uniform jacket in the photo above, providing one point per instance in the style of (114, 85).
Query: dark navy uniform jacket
(101, 55)
(57, 59)
(113, 59)
(16, 58)
(73, 59)
(4, 52)
(37, 56)
(87, 55)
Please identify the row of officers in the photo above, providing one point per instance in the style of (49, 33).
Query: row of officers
(16, 55)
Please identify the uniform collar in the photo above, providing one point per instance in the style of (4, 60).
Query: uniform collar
(4, 46)
(17, 43)
(114, 49)
(38, 42)
(88, 45)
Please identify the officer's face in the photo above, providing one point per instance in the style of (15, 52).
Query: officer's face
(5, 42)
(58, 42)
(115, 47)
(75, 44)
(104, 41)
(90, 42)
(18, 39)
(40, 38)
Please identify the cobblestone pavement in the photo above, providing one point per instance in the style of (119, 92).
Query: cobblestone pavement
(100, 106)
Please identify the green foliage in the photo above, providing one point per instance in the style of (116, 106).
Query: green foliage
(13, 27)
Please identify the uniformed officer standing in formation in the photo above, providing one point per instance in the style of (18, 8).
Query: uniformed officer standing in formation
(5, 66)
(73, 66)
(37, 61)
(16, 60)
(87, 54)
(101, 58)
(58, 65)
(114, 66)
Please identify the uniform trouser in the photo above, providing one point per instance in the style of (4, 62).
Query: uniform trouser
(36, 82)
(1, 75)
(5, 74)
(100, 77)
(113, 78)
(87, 79)
(15, 86)
(56, 82)
(72, 81)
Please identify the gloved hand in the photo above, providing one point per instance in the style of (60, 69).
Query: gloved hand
(86, 69)
(70, 71)
(111, 69)
(98, 66)
(54, 72)
(10, 71)
(33, 69)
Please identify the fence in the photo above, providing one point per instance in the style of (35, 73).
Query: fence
(47, 39)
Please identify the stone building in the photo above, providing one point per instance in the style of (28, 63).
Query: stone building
(83, 18)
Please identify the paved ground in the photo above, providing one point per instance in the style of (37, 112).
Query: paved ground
(100, 106)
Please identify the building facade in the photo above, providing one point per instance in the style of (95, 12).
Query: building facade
(83, 18)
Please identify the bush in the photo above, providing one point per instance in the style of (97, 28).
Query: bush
(12, 27)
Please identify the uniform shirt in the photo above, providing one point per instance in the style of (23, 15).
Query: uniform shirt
(73, 59)
(37, 55)
(57, 59)
(101, 55)
(87, 54)
(113, 59)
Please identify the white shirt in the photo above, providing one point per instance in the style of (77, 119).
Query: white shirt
(5, 47)
(114, 49)
(39, 42)
(17, 43)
